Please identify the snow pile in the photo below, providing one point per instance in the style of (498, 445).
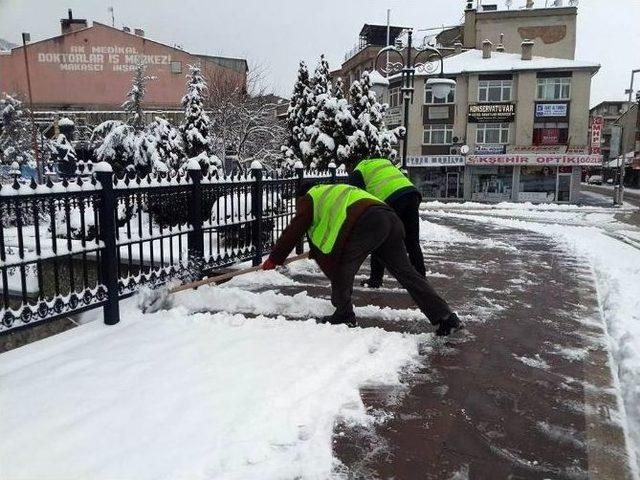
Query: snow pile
(176, 396)
(299, 306)
(433, 232)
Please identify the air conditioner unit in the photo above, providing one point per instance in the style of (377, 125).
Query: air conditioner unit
(454, 151)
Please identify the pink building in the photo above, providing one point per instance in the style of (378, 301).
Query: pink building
(91, 68)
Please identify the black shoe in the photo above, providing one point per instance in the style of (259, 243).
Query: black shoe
(371, 283)
(448, 325)
(348, 319)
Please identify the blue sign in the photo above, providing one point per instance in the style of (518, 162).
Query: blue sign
(551, 110)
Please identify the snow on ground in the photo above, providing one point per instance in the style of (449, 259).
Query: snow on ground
(173, 395)
(616, 267)
(301, 305)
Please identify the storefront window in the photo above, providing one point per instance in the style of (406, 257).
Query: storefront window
(494, 90)
(492, 184)
(496, 133)
(438, 182)
(537, 184)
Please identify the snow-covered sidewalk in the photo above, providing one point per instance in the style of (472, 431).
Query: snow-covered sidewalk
(220, 387)
(174, 395)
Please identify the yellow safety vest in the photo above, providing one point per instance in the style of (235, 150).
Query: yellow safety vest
(382, 178)
(330, 203)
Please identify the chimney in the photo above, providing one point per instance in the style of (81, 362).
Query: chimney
(70, 24)
(457, 47)
(529, 4)
(500, 47)
(486, 49)
(527, 50)
(139, 32)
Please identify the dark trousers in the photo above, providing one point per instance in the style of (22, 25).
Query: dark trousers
(407, 209)
(380, 230)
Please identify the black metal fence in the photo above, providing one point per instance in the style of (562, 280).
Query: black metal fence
(70, 246)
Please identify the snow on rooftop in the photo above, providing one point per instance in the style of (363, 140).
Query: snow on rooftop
(472, 61)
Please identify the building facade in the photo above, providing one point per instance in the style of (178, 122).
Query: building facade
(90, 68)
(516, 128)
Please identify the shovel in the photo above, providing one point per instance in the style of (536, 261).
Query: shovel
(153, 300)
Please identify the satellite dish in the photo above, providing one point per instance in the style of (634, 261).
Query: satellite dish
(464, 149)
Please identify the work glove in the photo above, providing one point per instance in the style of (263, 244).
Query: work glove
(269, 264)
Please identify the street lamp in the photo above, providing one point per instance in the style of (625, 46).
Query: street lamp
(26, 38)
(440, 86)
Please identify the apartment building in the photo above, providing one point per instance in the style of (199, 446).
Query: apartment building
(516, 128)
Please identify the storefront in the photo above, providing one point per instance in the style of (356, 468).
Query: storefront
(438, 176)
(530, 177)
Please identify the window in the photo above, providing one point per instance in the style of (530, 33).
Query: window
(429, 99)
(494, 90)
(554, 88)
(550, 133)
(492, 133)
(491, 184)
(395, 97)
(176, 67)
(438, 134)
(537, 183)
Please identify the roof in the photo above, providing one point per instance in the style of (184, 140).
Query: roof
(471, 61)
(377, 34)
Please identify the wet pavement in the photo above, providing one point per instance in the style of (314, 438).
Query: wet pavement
(525, 392)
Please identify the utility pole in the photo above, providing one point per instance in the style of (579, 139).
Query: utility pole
(34, 131)
(388, 37)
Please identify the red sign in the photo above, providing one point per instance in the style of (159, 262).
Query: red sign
(596, 134)
(550, 136)
(533, 159)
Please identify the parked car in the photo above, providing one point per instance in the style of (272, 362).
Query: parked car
(595, 180)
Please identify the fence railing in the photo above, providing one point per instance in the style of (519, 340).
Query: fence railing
(70, 246)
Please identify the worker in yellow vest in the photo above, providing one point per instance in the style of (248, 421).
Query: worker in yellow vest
(385, 181)
(344, 225)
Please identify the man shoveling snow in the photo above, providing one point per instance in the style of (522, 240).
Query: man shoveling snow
(345, 225)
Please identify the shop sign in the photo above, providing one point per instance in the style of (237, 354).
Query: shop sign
(551, 110)
(492, 113)
(559, 149)
(435, 161)
(393, 116)
(535, 159)
(489, 149)
(550, 136)
(97, 58)
(597, 123)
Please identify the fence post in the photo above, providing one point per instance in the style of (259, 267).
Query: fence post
(256, 210)
(332, 171)
(107, 233)
(299, 167)
(195, 237)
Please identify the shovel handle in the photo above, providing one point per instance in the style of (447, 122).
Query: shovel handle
(229, 275)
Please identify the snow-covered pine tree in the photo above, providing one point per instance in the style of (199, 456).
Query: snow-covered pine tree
(331, 131)
(63, 153)
(117, 145)
(322, 78)
(371, 138)
(160, 147)
(195, 127)
(133, 103)
(15, 133)
(338, 89)
(300, 115)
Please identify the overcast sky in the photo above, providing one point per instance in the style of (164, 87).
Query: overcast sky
(278, 33)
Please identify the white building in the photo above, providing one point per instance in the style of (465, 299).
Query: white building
(524, 119)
